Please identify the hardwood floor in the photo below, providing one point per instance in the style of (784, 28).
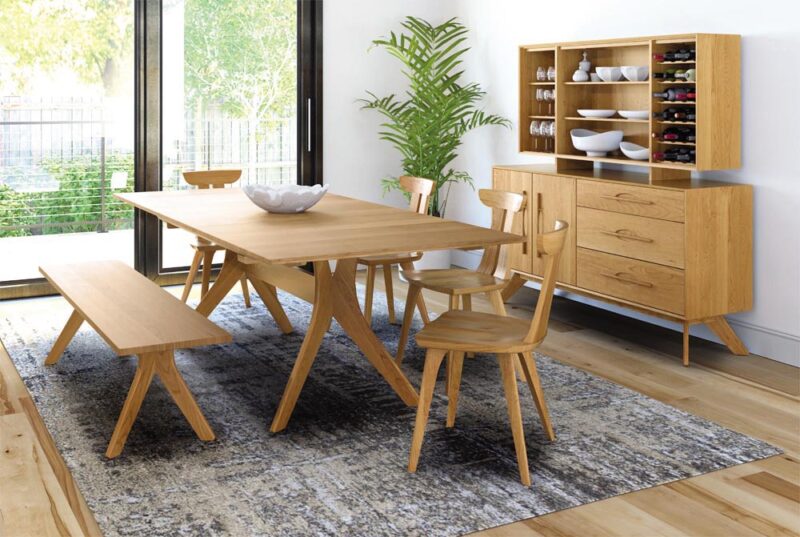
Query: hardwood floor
(753, 395)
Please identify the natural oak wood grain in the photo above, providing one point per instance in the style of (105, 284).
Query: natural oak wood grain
(419, 191)
(457, 332)
(700, 228)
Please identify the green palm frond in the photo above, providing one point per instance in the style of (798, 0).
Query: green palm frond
(426, 123)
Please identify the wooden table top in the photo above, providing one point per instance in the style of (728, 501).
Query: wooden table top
(336, 228)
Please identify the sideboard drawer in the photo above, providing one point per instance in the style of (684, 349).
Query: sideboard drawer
(637, 200)
(645, 283)
(648, 239)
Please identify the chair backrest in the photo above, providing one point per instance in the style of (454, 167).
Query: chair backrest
(420, 190)
(212, 178)
(549, 245)
(506, 205)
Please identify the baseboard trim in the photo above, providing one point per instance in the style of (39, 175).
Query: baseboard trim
(773, 344)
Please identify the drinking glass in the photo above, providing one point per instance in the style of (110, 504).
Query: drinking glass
(534, 130)
(541, 74)
(540, 97)
(551, 73)
(549, 96)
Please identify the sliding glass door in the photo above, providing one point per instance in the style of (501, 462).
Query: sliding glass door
(106, 96)
(66, 133)
(229, 95)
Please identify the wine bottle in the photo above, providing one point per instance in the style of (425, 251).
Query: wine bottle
(676, 134)
(675, 155)
(675, 114)
(676, 94)
(682, 55)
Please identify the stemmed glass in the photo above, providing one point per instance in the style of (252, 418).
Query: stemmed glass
(541, 74)
(534, 130)
(540, 97)
(551, 74)
(550, 97)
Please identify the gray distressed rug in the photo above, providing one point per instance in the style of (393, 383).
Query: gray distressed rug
(340, 466)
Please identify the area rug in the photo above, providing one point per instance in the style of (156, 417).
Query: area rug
(340, 466)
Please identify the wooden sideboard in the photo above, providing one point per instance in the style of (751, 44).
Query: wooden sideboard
(679, 250)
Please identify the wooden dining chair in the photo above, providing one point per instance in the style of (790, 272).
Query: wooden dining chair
(461, 284)
(467, 331)
(203, 249)
(420, 191)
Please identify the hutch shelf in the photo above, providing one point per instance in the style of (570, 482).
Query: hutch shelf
(658, 240)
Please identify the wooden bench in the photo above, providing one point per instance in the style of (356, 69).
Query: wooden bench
(134, 316)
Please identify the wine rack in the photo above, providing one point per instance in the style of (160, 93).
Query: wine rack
(716, 109)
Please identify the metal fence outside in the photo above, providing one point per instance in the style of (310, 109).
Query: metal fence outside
(60, 165)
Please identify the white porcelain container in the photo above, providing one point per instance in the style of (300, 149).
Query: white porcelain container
(635, 73)
(609, 74)
(595, 112)
(285, 198)
(634, 151)
(596, 144)
(634, 114)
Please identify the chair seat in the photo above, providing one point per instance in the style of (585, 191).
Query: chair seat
(199, 243)
(391, 259)
(454, 281)
(472, 331)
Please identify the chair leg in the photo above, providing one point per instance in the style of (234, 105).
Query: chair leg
(246, 293)
(387, 283)
(198, 255)
(368, 294)
(466, 301)
(532, 376)
(452, 306)
(133, 402)
(433, 360)
(208, 260)
(408, 318)
(423, 309)
(453, 386)
(515, 415)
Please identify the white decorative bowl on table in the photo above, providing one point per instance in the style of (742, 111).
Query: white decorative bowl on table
(609, 74)
(635, 73)
(634, 114)
(285, 198)
(596, 144)
(595, 112)
(634, 151)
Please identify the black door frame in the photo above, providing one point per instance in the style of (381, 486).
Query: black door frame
(147, 156)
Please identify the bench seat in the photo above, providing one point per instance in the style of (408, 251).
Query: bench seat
(134, 316)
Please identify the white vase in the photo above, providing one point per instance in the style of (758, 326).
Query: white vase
(437, 259)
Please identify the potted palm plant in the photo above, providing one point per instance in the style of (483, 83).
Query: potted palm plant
(427, 123)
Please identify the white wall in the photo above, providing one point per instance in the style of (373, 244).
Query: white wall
(355, 159)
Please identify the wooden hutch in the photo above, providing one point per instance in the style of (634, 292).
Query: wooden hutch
(657, 241)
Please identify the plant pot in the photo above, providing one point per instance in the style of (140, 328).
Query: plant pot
(437, 259)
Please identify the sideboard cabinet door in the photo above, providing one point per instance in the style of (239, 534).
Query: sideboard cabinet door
(518, 256)
(553, 198)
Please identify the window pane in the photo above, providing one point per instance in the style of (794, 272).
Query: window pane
(66, 133)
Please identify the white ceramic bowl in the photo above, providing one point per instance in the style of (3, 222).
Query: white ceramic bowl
(635, 73)
(596, 144)
(609, 74)
(285, 198)
(634, 114)
(595, 112)
(634, 151)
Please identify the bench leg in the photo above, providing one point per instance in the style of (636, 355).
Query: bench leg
(141, 381)
(73, 323)
(163, 364)
(177, 388)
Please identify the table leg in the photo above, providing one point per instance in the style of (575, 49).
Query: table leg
(348, 313)
(229, 275)
(320, 323)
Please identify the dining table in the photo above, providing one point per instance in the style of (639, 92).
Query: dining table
(273, 250)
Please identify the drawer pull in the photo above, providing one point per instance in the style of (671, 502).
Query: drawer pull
(619, 277)
(619, 197)
(625, 234)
